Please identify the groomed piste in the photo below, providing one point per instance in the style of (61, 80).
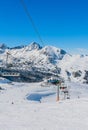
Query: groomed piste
(28, 106)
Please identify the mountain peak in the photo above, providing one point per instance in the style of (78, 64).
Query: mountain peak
(3, 46)
(53, 51)
(34, 46)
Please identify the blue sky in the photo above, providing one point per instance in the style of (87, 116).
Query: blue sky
(62, 23)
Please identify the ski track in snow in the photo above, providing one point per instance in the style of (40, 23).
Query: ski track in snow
(19, 113)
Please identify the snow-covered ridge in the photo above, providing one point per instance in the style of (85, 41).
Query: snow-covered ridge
(46, 59)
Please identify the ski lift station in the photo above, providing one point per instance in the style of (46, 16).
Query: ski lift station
(14, 74)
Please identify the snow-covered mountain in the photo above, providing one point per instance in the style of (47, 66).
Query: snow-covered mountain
(46, 59)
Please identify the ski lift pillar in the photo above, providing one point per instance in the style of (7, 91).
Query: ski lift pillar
(58, 91)
(57, 99)
(57, 83)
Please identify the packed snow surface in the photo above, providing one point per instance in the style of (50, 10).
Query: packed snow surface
(28, 106)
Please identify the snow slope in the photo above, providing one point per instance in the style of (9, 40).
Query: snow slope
(19, 112)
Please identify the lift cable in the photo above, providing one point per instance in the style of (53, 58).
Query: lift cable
(31, 20)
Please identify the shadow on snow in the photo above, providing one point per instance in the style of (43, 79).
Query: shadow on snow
(38, 96)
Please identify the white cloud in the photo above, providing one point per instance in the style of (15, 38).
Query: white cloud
(82, 51)
(78, 51)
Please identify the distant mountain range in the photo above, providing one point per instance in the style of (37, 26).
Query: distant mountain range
(41, 62)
